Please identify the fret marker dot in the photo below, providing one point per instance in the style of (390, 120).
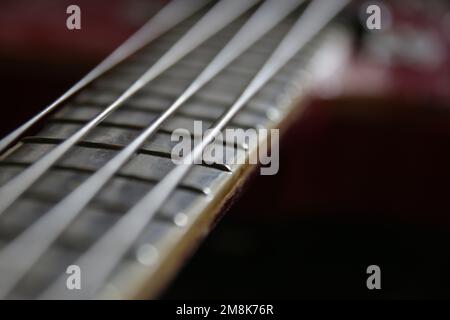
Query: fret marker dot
(273, 114)
(206, 191)
(147, 254)
(180, 219)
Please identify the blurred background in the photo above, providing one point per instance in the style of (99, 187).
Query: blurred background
(364, 174)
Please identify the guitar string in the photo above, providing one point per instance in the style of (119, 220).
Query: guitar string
(99, 261)
(21, 254)
(167, 18)
(213, 21)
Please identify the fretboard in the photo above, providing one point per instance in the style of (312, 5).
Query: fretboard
(199, 198)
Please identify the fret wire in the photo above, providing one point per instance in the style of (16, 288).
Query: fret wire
(213, 21)
(168, 17)
(99, 261)
(54, 222)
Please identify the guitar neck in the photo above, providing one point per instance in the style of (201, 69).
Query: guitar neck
(199, 198)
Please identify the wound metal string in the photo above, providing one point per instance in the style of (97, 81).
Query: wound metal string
(214, 20)
(99, 261)
(17, 255)
(168, 17)
(218, 17)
